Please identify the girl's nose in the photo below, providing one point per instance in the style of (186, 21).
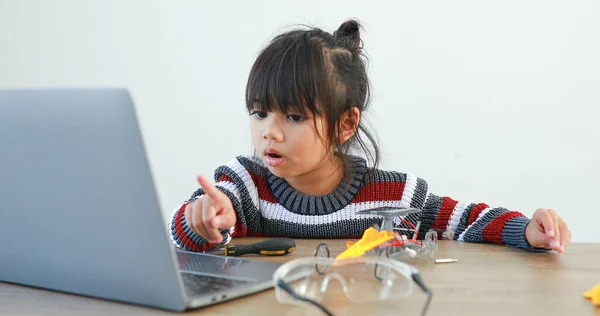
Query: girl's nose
(273, 131)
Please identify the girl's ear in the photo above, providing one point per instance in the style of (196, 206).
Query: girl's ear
(349, 124)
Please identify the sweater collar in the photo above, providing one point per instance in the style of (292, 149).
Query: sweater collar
(299, 203)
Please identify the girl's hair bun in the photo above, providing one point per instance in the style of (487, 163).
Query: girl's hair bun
(348, 35)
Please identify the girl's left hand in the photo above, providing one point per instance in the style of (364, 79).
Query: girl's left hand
(547, 230)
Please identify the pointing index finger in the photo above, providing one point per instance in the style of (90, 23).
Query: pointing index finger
(209, 188)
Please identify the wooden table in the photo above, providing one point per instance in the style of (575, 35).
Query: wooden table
(486, 280)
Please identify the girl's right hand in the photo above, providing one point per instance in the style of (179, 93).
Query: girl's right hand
(211, 212)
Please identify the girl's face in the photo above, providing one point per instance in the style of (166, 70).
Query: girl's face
(289, 144)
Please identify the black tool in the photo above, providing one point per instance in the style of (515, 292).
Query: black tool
(269, 247)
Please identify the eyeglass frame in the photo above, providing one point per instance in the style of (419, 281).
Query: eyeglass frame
(414, 275)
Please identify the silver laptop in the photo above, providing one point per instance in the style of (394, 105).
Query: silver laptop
(79, 211)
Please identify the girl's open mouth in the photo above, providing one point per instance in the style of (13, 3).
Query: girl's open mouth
(273, 158)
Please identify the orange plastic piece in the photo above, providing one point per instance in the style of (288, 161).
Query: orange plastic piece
(371, 238)
(593, 294)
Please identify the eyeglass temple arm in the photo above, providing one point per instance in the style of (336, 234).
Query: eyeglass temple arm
(417, 278)
(299, 297)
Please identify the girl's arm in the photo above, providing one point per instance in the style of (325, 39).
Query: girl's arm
(230, 179)
(467, 220)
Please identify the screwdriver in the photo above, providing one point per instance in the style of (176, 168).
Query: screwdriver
(269, 247)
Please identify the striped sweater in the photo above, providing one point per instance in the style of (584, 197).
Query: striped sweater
(267, 206)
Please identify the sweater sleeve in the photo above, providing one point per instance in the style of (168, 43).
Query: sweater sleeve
(236, 182)
(468, 220)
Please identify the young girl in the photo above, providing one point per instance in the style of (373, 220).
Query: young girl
(306, 93)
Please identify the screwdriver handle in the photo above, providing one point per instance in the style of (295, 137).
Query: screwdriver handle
(269, 247)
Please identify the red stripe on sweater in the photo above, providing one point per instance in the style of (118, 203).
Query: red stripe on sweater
(493, 231)
(183, 237)
(443, 216)
(225, 178)
(264, 192)
(477, 209)
(380, 191)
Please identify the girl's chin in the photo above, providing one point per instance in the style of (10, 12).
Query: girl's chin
(276, 171)
(279, 172)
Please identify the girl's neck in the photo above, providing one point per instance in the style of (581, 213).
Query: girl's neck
(320, 181)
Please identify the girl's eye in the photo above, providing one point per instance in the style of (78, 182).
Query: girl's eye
(259, 114)
(295, 118)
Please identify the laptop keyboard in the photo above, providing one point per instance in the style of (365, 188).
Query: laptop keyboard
(195, 284)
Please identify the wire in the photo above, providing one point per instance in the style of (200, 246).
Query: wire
(408, 223)
(417, 278)
(299, 297)
(411, 225)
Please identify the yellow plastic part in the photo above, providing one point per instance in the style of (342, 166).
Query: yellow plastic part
(593, 294)
(371, 238)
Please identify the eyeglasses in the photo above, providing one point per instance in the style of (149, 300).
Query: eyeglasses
(363, 279)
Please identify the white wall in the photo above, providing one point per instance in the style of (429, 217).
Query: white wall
(492, 101)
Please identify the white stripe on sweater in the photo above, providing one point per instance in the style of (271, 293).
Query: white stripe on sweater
(244, 175)
(462, 235)
(457, 213)
(275, 211)
(409, 190)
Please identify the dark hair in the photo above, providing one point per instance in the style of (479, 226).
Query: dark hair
(312, 70)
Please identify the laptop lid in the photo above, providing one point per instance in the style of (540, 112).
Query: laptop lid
(78, 206)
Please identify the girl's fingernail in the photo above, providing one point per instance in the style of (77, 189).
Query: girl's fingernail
(555, 244)
(550, 233)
